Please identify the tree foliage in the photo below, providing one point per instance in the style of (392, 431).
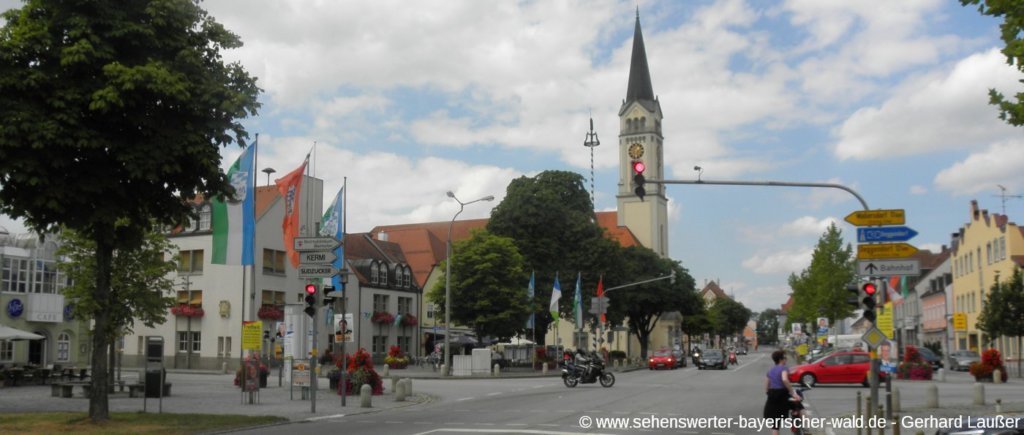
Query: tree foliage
(729, 316)
(1011, 110)
(113, 115)
(768, 326)
(488, 286)
(820, 290)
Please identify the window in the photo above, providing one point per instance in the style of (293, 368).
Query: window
(193, 298)
(404, 344)
(220, 346)
(190, 261)
(141, 345)
(227, 346)
(430, 311)
(273, 261)
(379, 342)
(15, 275)
(184, 341)
(382, 274)
(47, 278)
(407, 277)
(373, 274)
(63, 347)
(380, 303)
(988, 253)
(271, 297)
(1002, 248)
(404, 305)
(204, 218)
(6, 350)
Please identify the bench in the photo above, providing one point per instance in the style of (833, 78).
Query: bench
(136, 390)
(60, 389)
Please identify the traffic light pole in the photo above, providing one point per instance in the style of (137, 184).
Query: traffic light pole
(764, 183)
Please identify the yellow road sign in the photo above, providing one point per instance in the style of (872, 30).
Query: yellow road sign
(960, 321)
(884, 250)
(865, 218)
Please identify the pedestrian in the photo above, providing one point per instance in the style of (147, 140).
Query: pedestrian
(778, 389)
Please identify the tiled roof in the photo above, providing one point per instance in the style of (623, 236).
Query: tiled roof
(714, 289)
(424, 244)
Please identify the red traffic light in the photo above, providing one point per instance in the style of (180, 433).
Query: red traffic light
(310, 289)
(869, 289)
(639, 167)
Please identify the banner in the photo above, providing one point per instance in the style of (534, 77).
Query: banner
(252, 335)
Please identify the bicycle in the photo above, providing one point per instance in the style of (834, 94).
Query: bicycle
(797, 411)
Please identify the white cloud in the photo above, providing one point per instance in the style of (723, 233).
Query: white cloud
(918, 189)
(999, 164)
(807, 226)
(786, 262)
(932, 113)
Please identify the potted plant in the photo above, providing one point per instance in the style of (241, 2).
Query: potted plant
(186, 310)
(396, 359)
(914, 367)
(983, 370)
(264, 373)
(408, 319)
(270, 312)
(360, 371)
(382, 318)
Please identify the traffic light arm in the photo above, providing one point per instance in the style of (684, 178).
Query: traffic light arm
(671, 276)
(764, 183)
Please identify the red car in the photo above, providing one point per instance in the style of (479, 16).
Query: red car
(662, 359)
(838, 368)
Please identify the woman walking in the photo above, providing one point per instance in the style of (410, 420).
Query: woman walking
(779, 390)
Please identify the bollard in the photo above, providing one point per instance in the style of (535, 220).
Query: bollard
(544, 368)
(999, 406)
(942, 375)
(387, 371)
(394, 384)
(497, 370)
(400, 391)
(859, 427)
(895, 424)
(931, 395)
(979, 394)
(444, 370)
(867, 413)
(408, 387)
(224, 367)
(881, 413)
(896, 400)
(997, 376)
(365, 392)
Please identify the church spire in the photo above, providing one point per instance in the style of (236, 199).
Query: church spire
(640, 87)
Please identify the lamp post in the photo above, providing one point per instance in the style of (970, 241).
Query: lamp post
(448, 282)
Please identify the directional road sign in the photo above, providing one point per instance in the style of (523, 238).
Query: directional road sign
(317, 271)
(310, 258)
(315, 244)
(885, 234)
(885, 250)
(865, 218)
(598, 306)
(908, 267)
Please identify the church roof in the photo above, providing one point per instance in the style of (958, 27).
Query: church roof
(640, 87)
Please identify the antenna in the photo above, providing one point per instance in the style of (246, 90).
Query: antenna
(1003, 196)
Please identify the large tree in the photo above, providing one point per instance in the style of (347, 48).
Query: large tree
(488, 286)
(1012, 31)
(729, 316)
(551, 219)
(114, 112)
(139, 281)
(643, 305)
(820, 290)
(768, 326)
(1002, 313)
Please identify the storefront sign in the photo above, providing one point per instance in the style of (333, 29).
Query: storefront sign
(15, 308)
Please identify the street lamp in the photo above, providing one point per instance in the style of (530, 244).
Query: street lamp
(448, 281)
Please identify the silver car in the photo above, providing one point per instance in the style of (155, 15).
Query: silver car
(962, 359)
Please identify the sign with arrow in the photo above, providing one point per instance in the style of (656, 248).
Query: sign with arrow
(864, 218)
(909, 267)
(309, 258)
(302, 244)
(885, 234)
(885, 250)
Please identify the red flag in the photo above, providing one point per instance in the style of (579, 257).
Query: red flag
(600, 293)
(290, 187)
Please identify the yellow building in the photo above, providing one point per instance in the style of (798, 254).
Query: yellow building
(984, 251)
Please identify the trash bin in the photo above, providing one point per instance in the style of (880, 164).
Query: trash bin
(153, 381)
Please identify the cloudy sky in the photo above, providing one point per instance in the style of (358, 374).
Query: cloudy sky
(411, 99)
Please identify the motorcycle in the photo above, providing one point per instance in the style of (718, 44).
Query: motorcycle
(586, 371)
(732, 358)
(696, 358)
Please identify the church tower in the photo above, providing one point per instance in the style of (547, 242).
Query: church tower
(640, 139)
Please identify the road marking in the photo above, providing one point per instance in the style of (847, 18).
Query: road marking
(325, 417)
(464, 398)
(494, 394)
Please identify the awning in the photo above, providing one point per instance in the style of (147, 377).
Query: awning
(9, 333)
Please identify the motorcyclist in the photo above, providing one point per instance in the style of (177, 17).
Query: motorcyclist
(583, 362)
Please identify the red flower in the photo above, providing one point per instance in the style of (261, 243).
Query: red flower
(409, 320)
(270, 312)
(185, 310)
(382, 317)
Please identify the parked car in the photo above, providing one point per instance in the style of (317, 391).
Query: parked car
(837, 368)
(962, 359)
(930, 356)
(680, 358)
(711, 358)
(662, 359)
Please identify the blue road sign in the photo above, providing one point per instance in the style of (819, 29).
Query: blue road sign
(885, 234)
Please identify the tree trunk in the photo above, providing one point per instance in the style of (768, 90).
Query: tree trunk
(1019, 355)
(99, 405)
(112, 361)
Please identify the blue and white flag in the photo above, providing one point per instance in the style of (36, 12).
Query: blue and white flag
(556, 294)
(577, 303)
(529, 295)
(331, 225)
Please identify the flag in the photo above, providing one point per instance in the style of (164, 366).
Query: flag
(330, 225)
(895, 296)
(290, 187)
(234, 221)
(556, 294)
(529, 295)
(398, 320)
(600, 294)
(577, 304)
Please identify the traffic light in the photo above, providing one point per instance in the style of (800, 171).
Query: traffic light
(638, 179)
(329, 295)
(310, 300)
(869, 301)
(853, 295)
